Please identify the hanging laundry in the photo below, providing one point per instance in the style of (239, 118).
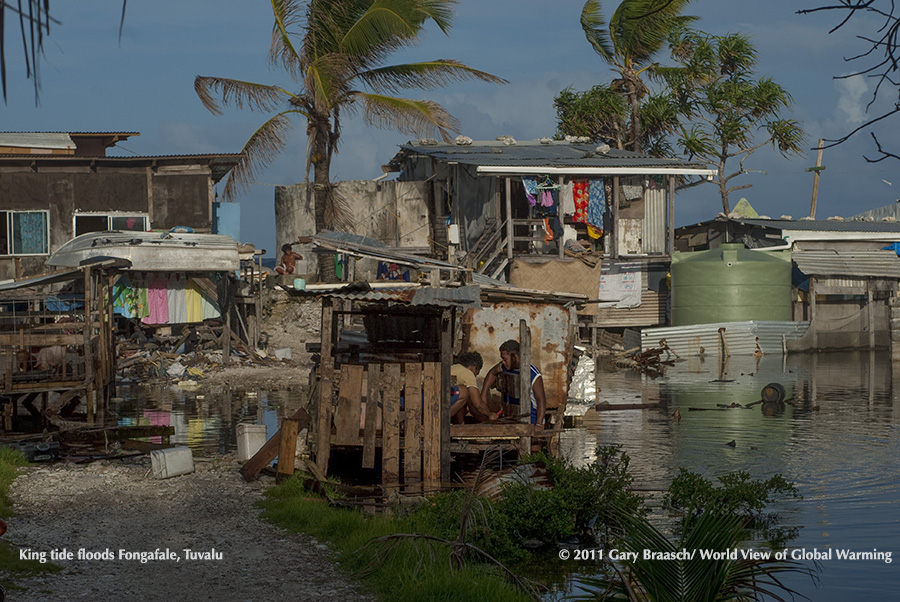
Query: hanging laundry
(580, 198)
(121, 294)
(193, 301)
(596, 203)
(157, 301)
(548, 231)
(566, 199)
(547, 199)
(531, 190)
(209, 307)
(177, 301)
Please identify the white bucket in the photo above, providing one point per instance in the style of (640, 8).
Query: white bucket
(250, 439)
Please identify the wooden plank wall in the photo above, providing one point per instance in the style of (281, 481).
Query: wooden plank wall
(368, 411)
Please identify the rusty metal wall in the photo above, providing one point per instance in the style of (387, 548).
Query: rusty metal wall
(552, 337)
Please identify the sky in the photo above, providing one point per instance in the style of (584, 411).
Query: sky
(90, 81)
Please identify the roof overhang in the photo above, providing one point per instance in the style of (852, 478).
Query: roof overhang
(512, 170)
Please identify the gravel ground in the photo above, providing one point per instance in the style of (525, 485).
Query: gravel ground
(117, 506)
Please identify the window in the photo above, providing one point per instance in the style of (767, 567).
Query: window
(101, 222)
(24, 233)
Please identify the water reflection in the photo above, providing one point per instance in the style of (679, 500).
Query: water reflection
(205, 422)
(837, 440)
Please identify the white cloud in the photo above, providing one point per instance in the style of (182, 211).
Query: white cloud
(853, 94)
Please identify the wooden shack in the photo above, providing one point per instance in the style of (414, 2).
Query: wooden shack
(383, 382)
(56, 344)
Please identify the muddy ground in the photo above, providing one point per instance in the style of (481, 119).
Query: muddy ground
(118, 505)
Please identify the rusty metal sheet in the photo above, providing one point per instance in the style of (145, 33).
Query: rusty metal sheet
(486, 329)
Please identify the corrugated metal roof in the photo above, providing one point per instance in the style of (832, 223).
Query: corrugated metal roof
(857, 263)
(534, 153)
(41, 279)
(346, 242)
(117, 133)
(220, 164)
(821, 225)
(48, 140)
(464, 297)
(741, 337)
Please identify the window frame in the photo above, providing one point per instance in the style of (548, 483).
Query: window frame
(10, 237)
(110, 215)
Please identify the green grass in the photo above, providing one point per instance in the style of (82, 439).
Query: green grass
(11, 567)
(409, 574)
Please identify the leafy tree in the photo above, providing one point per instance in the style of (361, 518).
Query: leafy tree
(333, 52)
(729, 114)
(883, 56)
(637, 30)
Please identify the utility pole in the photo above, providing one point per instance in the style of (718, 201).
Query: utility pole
(817, 170)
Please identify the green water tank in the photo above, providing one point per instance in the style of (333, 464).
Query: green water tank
(730, 284)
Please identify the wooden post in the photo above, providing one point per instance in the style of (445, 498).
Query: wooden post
(870, 314)
(509, 223)
(560, 243)
(347, 413)
(88, 350)
(670, 224)
(817, 170)
(614, 234)
(431, 427)
(226, 335)
(814, 339)
(390, 430)
(596, 356)
(524, 445)
(444, 389)
(374, 388)
(287, 449)
(326, 379)
(412, 433)
(525, 370)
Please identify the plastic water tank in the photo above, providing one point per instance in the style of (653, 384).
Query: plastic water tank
(730, 284)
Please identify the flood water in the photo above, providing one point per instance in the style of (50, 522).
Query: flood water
(838, 442)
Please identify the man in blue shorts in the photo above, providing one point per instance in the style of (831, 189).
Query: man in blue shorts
(509, 364)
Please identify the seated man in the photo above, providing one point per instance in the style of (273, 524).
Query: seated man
(509, 364)
(465, 398)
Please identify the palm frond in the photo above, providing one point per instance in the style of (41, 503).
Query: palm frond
(288, 15)
(424, 76)
(257, 97)
(259, 151)
(593, 24)
(325, 80)
(638, 28)
(385, 26)
(417, 117)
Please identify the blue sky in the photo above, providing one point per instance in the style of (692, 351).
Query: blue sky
(93, 83)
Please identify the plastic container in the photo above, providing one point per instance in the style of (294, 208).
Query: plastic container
(730, 284)
(250, 438)
(167, 463)
(299, 284)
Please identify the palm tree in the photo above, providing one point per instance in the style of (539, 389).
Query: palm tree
(698, 579)
(637, 31)
(333, 51)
